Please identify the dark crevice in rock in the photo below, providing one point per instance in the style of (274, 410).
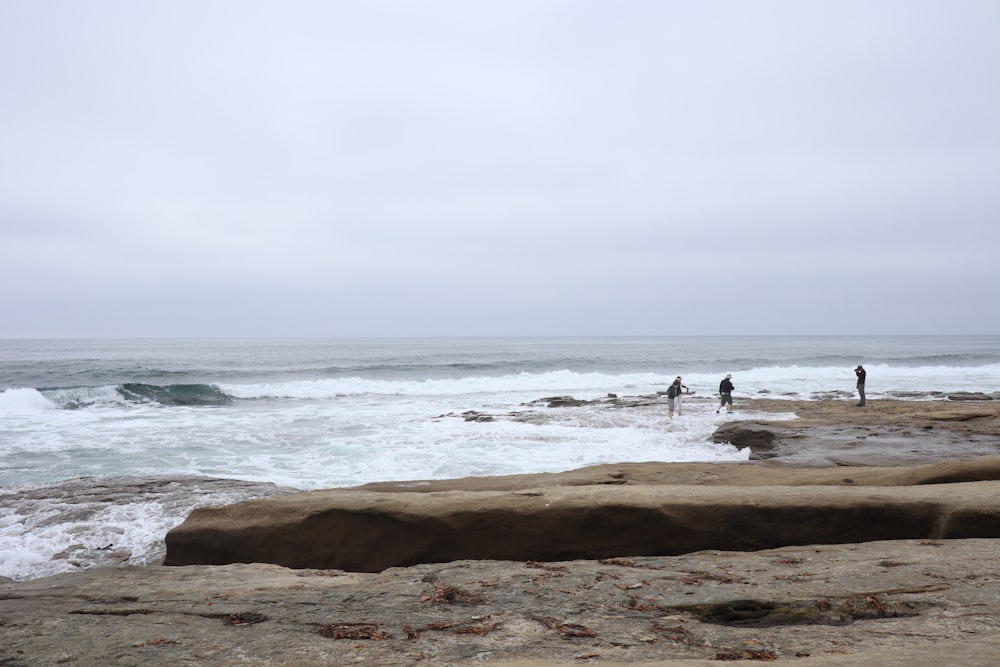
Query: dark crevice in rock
(111, 612)
(767, 613)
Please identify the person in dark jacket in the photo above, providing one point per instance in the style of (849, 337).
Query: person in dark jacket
(674, 392)
(860, 372)
(726, 393)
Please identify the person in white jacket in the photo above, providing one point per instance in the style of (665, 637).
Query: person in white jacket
(674, 392)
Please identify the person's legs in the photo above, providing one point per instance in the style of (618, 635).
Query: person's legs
(861, 394)
(670, 407)
(678, 404)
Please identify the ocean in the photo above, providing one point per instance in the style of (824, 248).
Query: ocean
(107, 444)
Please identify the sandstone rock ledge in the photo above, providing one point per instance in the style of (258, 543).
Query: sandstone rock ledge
(598, 512)
(896, 603)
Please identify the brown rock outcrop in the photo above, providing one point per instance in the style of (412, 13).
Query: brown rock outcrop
(369, 531)
(884, 433)
(758, 437)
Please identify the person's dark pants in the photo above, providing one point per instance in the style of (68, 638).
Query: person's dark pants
(861, 393)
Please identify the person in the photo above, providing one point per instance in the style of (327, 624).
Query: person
(726, 393)
(674, 392)
(860, 372)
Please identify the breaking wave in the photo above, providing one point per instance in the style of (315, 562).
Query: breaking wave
(26, 400)
(174, 394)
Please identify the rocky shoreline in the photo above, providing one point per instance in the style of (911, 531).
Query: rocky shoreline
(853, 535)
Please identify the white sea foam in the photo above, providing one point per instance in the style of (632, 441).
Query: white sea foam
(554, 381)
(882, 380)
(76, 397)
(47, 529)
(20, 400)
(790, 381)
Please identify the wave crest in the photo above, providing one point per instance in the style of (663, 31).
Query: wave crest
(520, 382)
(22, 400)
(175, 394)
(72, 398)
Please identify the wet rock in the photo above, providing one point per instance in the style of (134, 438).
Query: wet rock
(564, 402)
(757, 436)
(969, 396)
(885, 433)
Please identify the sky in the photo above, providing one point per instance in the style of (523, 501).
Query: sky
(219, 168)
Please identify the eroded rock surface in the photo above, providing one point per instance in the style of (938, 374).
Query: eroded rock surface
(913, 602)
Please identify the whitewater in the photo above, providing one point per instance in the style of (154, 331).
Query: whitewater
(106, 445)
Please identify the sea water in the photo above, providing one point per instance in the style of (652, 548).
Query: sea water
(107, 444)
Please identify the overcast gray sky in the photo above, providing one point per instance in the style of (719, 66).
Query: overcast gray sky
(537, 167)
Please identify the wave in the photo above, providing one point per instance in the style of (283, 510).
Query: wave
(957, 360)
(28, 400)
(19, 401)
(520, 382)
(801, 381)
(23, 400)
(174, 394)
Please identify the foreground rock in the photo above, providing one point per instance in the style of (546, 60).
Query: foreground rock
(922, 602)
(529, 599)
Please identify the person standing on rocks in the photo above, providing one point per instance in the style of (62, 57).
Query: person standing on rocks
(674, 392)
(726, 393)
(860, 372)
